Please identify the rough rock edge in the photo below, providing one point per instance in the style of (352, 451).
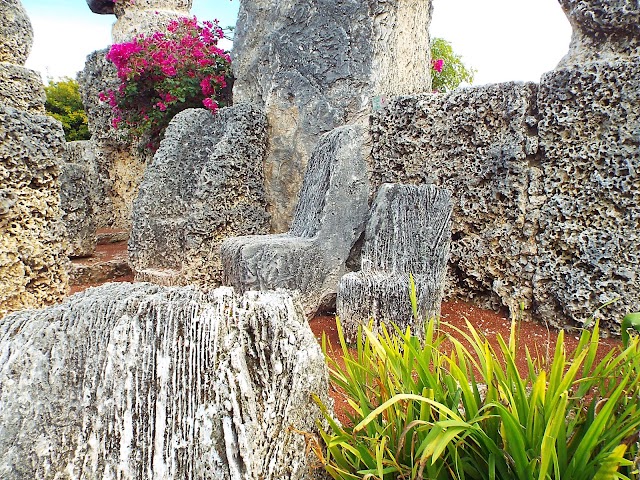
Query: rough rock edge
(166, 382)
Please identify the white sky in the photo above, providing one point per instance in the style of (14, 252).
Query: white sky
(502, 39)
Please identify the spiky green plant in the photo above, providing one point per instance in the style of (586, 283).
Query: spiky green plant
(420, 413)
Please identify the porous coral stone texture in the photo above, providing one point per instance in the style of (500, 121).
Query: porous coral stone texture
(16, 33)
(602, 29)
(589, 238)
(21, 88)
(316, 65)
(32, 254)
(205, 184)
(479, 143)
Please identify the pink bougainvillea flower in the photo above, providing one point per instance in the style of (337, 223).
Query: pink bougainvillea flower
(437, 64)
(166, 72)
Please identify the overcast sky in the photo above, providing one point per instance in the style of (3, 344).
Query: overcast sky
(502, 39)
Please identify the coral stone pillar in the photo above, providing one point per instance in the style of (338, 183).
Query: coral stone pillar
(589, 128)
(32, 253)
(146, 16)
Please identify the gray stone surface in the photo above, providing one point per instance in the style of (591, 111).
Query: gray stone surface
(408, 234)
(79, 191)
(32, 255)
(146, 17)
(603, 30)
(329, 218)
(205, 184)
(101, 7)
(16, 33)
(315, 65)
(589, 241)
(143, 382)
(481, 144)
(119, 162)
(21, 88)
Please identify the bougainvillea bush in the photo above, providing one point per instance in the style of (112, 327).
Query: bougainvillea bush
(165, 73)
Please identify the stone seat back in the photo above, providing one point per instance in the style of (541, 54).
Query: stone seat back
(329, 218)
(408, 233)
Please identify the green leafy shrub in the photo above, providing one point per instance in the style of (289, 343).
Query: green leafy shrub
(65, 105)
(447, 72)
(419, 413)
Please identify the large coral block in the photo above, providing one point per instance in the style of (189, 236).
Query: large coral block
(408, 234)
(32, 255)
(329, 218)
(205, 184)
(144, 382)
(480, 143)
(589, 240)
(316, 65)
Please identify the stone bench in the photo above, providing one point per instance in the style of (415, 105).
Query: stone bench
(408, 233)
(328, 219)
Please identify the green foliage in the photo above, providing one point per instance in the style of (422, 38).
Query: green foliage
(629, 322)
(469, 414)
(452, 71)
(65, 105)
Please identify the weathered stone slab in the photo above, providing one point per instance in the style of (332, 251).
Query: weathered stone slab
(481, 144)
(32, 254)
(205, 184)
(315, 65)
(589, 242)
(144, 382)
(408, 233)
(21, 88)
(328, 220)
(77, 209)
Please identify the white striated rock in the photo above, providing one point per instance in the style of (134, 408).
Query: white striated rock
(144, 382)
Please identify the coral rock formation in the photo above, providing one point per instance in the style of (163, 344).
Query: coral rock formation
(480, 143)
(32, 254)
(145, 16)
(205, 184)
(146, 382)
(118, 162)
(79, 192)
(544, 176)
(316, 65)
(408, 233)
(329, 218)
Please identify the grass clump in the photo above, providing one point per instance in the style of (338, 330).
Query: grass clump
(420, 413)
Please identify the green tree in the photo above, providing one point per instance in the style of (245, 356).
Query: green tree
(65, 105)
(448, 71)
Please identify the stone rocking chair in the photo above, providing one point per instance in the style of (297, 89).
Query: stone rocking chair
(409, 232)
(329, 218)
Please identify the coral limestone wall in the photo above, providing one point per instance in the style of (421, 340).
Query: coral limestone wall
(547, 194)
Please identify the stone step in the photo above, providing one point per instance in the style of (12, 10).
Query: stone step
(109, 262)
(165, 277)
(112, 235)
